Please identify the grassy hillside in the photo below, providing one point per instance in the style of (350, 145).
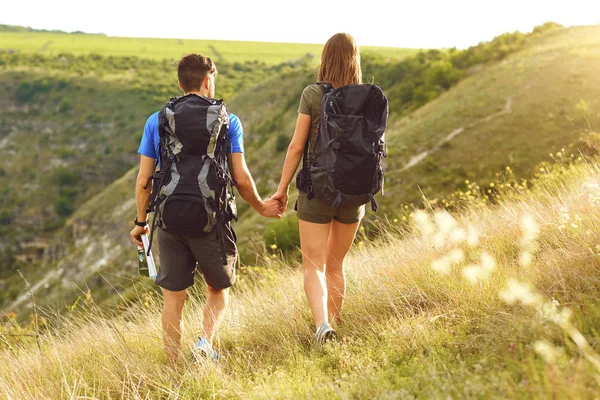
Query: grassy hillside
(494, 302)
(54, 44)
(72, 113)
(268, 111)
(69, 127)
(510, 114)
(491, 301)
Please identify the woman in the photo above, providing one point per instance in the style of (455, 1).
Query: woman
(326, 233)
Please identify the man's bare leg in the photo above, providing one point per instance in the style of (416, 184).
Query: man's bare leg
(171, 323)
(214, 311)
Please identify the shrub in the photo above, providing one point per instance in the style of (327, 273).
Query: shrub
(64, 206)
(282, 234)
(65, 106)
(66, 177)
(282, 142)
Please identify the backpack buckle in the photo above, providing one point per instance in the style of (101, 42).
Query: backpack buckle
(383, 150)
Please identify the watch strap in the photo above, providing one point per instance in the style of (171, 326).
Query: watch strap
(138, 223)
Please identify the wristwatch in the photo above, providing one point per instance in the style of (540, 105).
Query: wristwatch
(140, 223)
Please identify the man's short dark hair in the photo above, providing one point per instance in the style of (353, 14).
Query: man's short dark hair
(192, 69)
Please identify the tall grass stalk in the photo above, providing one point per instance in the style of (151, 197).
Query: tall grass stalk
(409, 330)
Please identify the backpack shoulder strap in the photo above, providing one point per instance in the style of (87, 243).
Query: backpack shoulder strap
(306, 160)
(327, 87)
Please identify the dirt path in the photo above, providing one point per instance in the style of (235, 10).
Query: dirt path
(415, 160)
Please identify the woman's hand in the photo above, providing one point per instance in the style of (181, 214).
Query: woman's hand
(271, 208)
(282, 197)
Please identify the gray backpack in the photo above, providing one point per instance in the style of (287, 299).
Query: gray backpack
(345, 165)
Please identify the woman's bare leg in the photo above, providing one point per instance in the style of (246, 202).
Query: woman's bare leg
(313, 242)
(341, 237)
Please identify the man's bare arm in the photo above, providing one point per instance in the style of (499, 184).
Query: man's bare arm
(247, 188)
(143, 189)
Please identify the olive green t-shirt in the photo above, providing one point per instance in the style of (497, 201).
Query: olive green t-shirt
(310, 104)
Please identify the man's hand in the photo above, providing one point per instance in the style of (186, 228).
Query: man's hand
(271, 208)
(281, 197)
(136, 235)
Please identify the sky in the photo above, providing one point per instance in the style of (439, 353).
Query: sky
(400, 23)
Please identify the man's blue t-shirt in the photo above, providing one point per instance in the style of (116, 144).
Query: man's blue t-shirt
(151, 138)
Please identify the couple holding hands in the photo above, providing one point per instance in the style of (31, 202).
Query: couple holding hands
(327, 229)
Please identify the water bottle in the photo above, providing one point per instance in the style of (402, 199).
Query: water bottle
(142, 263)
(146, 265)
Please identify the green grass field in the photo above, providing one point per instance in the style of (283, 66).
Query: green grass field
(232, 51)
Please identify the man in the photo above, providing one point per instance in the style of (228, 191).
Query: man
(179, 254)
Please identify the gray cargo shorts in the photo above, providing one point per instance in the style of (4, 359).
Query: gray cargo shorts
(179, 254)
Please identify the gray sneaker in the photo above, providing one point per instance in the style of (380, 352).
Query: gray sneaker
(325, 333)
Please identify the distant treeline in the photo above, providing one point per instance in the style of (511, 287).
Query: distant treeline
(415, 80)
(151, 79)
(16, 28)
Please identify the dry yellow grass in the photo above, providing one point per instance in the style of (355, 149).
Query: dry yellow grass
(512, 314)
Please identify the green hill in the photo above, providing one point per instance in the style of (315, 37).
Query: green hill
(267, 105)
(73, 108)
(513, 315)
(70, 126)
(513, 113)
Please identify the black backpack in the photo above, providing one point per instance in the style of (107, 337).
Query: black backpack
(347, 169)
(192, 191)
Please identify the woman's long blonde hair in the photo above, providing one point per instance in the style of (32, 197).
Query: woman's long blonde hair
(340, 61)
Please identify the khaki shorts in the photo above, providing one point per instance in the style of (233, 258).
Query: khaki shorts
(320, 212)
(179, 255)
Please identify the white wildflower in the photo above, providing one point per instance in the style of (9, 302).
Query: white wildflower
(444, 221)
(473, 273)
(439, 239)
(445, 225)
(525, 259)
(547, 351)
(424, 223)
(594, 199)
(519, 292)
(472, 236)
(458, 235)
(456, 256)
(444, 264)
(488, 263)
(530, 230)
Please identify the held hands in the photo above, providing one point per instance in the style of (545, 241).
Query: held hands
(136, 234)
(281, 197)
(272, 208)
